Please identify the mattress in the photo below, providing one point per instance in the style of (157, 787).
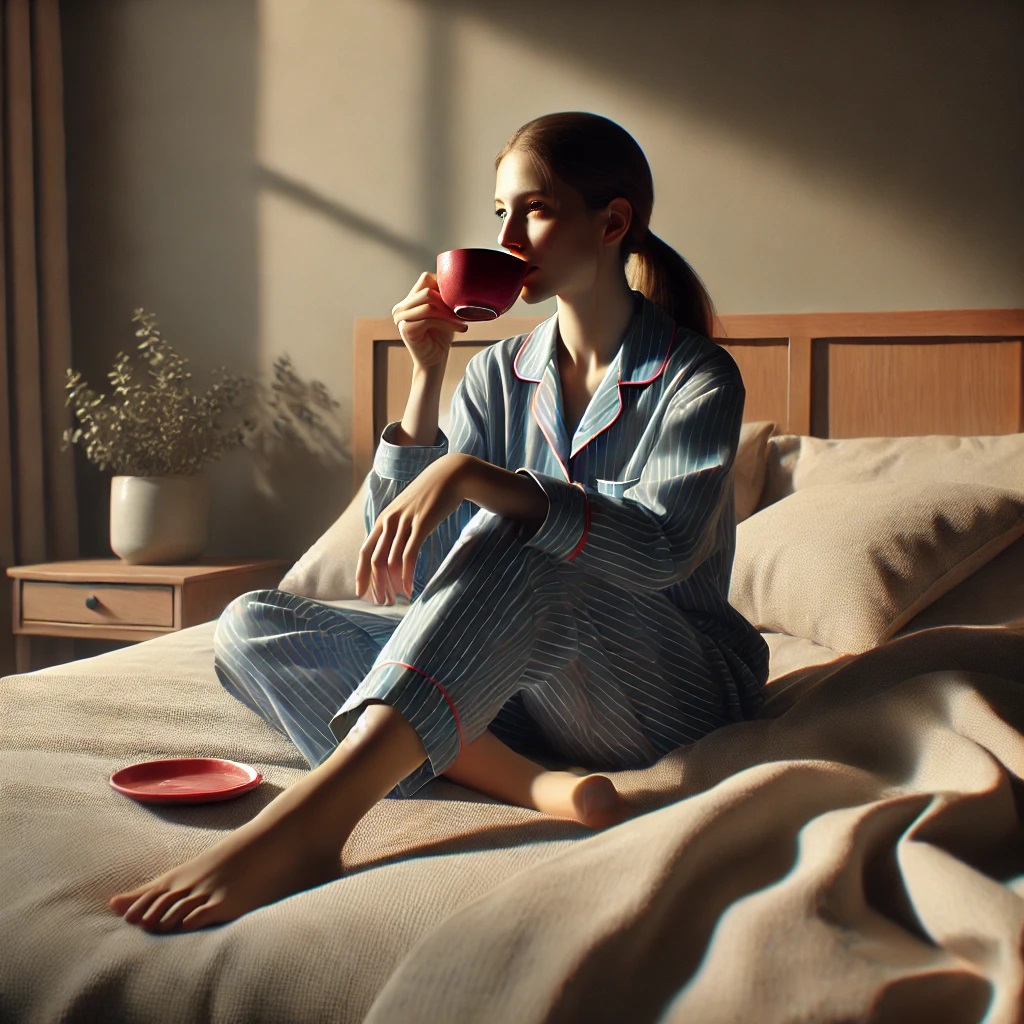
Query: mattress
(853, 852)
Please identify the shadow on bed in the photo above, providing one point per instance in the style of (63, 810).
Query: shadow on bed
(219, 814)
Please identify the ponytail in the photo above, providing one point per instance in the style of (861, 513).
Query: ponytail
(666, 278)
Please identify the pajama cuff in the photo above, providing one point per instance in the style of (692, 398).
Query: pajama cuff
(564, 531)
(423, 703)
(405, 461)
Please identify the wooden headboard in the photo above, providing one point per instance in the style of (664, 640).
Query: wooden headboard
(956, 371)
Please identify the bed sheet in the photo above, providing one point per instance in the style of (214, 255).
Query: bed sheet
(855, 853)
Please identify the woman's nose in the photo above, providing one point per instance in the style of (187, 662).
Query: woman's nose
(509, 235)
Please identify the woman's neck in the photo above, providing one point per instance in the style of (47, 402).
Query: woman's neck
(591, 327)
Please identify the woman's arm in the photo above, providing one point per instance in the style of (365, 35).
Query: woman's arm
(505, 493)
(419, 424)
(427, 328)
(421, 494)
(390, 553)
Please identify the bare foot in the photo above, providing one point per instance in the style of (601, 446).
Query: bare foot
(294, 843)
(259, 863)
(592, 800)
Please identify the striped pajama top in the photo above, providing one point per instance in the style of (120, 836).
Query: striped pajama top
(640, 496)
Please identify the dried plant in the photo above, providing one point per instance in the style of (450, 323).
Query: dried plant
(153, 424)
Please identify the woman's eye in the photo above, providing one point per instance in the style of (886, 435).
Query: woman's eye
(500, 214)
(537, 205)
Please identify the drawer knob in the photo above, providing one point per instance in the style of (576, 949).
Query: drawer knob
(92, 602)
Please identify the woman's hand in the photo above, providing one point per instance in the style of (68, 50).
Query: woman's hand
(426, 324)
(388, 556)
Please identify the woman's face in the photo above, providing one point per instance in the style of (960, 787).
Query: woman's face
(552, 230)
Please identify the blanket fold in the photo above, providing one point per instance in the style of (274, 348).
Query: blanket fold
(855, 853)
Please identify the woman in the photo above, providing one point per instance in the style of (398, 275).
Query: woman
(568, 551)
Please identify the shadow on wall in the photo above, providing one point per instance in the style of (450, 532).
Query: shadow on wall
(434, 151)
(162, 205)
(903, 99)
(354, 222)
(909, 101)
(169, 128)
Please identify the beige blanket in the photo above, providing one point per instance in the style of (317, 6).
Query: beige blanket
(855, 854)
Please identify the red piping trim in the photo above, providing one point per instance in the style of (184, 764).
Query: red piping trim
(515, 362)
(574, 452)
(618, 388)
(533, 404)
(444, 693)
(586, 528)
(661, 369)
(547, 436)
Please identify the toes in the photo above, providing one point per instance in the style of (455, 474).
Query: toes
(153, 916)
(210, 912)
(123, 900)
(135, 912)
(173, 917)
(159, 909)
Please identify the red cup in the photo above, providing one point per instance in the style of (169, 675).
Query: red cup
(480, 284)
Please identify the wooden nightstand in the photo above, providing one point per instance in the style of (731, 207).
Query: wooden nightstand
(111, 600)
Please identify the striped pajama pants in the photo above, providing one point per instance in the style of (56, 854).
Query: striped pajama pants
(502, 636)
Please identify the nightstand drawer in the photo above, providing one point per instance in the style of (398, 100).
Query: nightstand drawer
(100, 604)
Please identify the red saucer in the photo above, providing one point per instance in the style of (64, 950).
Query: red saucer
(185, 780)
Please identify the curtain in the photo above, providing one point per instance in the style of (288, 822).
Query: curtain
(38, 514)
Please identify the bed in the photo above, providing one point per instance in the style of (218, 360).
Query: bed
(855, 853)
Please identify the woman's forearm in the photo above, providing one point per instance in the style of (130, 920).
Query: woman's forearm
(513, 495)
(419, 424)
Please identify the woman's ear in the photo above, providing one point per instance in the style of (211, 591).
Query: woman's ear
(618, 217)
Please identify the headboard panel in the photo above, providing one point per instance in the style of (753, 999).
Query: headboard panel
(827, 374)
(883, 374)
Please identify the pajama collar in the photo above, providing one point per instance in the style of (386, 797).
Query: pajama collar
(641, 358)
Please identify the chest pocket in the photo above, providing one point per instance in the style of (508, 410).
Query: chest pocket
(615, 488)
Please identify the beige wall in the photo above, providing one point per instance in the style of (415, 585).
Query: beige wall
(260, 173)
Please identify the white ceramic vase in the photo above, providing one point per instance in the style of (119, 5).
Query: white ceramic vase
(157, 520)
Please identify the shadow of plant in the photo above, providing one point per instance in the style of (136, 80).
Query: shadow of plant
(154, 423)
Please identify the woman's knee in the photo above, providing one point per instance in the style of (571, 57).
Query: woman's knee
(491, 537)
(491, 566)
(238, 622)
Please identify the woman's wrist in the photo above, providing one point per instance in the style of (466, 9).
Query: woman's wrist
(429, 376)
(419, 424)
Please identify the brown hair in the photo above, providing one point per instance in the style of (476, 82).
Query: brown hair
(602, 161)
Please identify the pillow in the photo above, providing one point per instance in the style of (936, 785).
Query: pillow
(846, 565)
(991, 596)
(795, 462)
(327, 571)
(751, 466)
